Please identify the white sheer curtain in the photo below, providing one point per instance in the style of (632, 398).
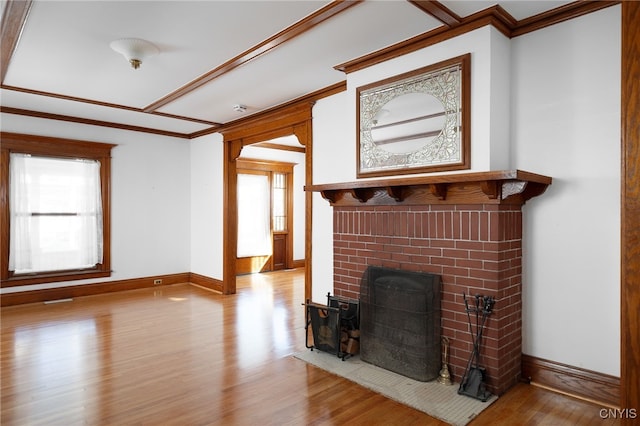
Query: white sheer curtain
(254, 228)
(55, 212)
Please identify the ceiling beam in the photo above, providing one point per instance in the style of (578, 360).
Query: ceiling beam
(438, 11)
(107, 105)
(91, 122)
(13, 20)
(282, 37)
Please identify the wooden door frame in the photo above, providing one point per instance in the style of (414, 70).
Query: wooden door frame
(290, 120)
(630, 209)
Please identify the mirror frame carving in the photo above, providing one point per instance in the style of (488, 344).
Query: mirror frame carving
(456, 127)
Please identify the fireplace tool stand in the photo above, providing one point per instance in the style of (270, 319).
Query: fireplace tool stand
(472, 383)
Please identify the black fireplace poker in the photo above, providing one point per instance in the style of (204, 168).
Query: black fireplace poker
(472, 383)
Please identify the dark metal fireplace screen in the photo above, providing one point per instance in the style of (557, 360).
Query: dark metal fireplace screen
(400, 322)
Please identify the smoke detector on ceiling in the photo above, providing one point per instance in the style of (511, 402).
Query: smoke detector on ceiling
(239, 108)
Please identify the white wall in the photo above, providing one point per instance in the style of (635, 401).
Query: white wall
(149, 203)
(566, 124)
(206, 207)
(547, 102)
(333, 140)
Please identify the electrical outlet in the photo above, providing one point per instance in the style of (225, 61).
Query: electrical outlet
(157, 282)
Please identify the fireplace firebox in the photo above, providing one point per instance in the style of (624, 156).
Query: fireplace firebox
(400, 322)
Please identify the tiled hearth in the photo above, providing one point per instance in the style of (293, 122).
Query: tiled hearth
(467, 231)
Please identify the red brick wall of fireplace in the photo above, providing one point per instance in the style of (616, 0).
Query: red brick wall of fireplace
(476, 249)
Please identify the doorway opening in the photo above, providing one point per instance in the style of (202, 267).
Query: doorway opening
(265, 215)
(291, 120)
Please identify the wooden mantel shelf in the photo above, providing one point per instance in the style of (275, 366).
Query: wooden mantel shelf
(494, 187)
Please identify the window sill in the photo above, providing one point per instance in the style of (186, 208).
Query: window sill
(52, 277)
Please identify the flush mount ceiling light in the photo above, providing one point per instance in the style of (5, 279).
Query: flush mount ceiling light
(135, 50)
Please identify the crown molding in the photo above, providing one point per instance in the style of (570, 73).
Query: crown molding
(495, 16)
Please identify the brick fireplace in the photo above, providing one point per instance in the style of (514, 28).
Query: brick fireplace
(467, 228)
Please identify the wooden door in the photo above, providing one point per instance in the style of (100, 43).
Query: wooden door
(280, 217)
(279, 256)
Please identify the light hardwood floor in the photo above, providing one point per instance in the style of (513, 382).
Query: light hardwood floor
(182, 355)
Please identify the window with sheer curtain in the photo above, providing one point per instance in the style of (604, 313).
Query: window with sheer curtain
(55, 210)
(55, 218)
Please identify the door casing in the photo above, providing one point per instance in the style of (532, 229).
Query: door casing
(292, 120)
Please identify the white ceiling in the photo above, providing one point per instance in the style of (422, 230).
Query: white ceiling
(63, 63)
